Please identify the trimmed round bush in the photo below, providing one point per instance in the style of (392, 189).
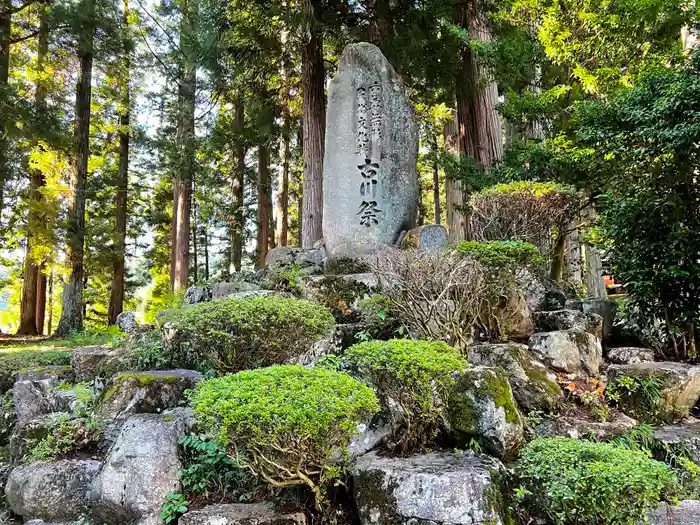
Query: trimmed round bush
(239, 334)
(288, 424)
(501, 254)
(587, 483)
(412, 378)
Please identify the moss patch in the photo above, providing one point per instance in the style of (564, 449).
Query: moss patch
(13, 360)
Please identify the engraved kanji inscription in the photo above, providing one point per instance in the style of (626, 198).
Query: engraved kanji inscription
(368, 213)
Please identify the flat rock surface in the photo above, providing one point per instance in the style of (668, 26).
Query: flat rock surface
(241, 514)
(436, 488)
(687, 512)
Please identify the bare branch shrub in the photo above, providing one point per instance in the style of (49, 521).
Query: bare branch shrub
(526, 211)
(444, 295)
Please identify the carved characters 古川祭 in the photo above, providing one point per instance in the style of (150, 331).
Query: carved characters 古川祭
(369, 151)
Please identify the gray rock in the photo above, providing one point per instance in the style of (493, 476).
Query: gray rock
(534, 386)
(86, 361)
(686, 512)
(32, 431)
(627, 355)
(8, 418)
(227, 290)
(370, 434)
(51, 491)
(281, 255)
(685, 435)
(606, 308)
(32, 398)
(550, 321)
(370, 182)
(679, 389)
(577, 428)
(437, 489)
(482, 407)
(197, 294)
(428, 237)
(144, 392)
(218, 291)
(571, 351)
(241, 514)
(126, 321)
(141, 467)
(533, 290)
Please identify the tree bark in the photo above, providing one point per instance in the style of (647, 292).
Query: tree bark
(50, 322)
(314, 122)
(237, 187)
(31, 321)
(479, 125)
(116, 300)
(195, 262)
(40, 301)
(263, 204)
(206, 252)
(283, 188)
(436, 182)
(454, 188)
(72, 303)
(572, 258)
(5, 28)
(182, 188)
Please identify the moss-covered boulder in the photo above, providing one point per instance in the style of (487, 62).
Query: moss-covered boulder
(570, 351)
(145, 392)
(551, 321)
(8, 417)
(32, 398)
(534, 386)
(13, 360)
(655, 391)
(239, 334)
(482, 407)
(242, 514)
(445, 488)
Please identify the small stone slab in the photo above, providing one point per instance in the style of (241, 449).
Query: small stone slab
(575, 428)
(437, 488)
(126, 321)
(628, 355)
(426, 238)
(241, 514)
(570, 351)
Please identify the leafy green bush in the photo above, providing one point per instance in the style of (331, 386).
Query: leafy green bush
(577, 481)
(501, 254)
(237, 334)
(379, 316)
(415, 376)
(287, 424)
(641, 397)
(63, 435)
(17, 359)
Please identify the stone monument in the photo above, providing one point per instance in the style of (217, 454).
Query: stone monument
(370, 182)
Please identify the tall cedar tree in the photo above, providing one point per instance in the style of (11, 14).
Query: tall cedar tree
(33, 304)
(116, 300)
(72, 302)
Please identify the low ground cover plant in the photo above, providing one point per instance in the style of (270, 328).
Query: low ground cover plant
(238, 334)
(579, 482)
(412, 379)
(286, 424)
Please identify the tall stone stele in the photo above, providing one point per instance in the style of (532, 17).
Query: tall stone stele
(370, 181)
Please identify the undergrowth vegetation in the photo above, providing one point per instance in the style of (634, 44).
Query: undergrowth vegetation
(413, 380)
(575, 481)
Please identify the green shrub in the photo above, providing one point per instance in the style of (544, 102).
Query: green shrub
(415, 376)
(576, 481)
(287, 424)
(501, 254)
(641, 397)
(379, 316)
(17, 359)
(63, 436)
(238, 334)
